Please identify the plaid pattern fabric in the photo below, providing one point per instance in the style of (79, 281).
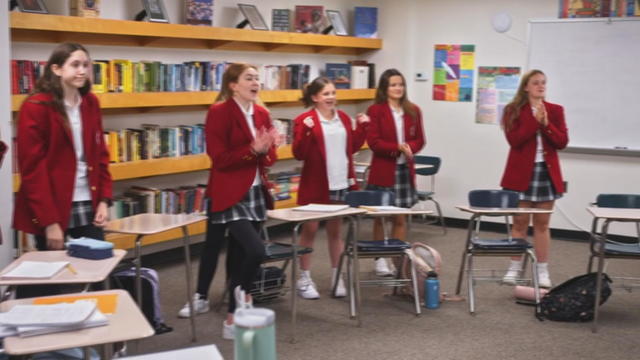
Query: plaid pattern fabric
(406, 195)
(252, 207)
(540, 187)
(338, 195)
(81, 214)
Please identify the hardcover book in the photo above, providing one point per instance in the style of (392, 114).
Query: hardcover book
(309, 19)
(280, 20)
(365, 22)
(84, 8)
(199, 12)
(340, 74)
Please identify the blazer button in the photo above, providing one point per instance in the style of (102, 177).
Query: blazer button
(35, 221)
(93, 188)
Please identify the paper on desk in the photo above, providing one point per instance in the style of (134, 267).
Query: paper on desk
(321, 207)
(383, 208)
(96, 319)
(106, 302)
(35, 270)
(48, 315)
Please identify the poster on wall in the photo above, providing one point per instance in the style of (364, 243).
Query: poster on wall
(497, 85)
(453, 72)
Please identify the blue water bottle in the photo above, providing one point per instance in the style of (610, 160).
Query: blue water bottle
(432, 291)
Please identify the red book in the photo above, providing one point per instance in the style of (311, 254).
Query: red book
(309, 19)
(15, 87)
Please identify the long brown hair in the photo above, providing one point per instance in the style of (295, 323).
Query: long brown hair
(50, 83)
(313, 88)
(512, 110)
(231, 75)
(383, 85)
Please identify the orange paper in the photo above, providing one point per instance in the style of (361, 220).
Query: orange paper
(106, 303)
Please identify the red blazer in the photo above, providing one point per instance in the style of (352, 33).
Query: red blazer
(522, 139)
(383, 141)
(47, 163)
(228, 139)
(308, 146)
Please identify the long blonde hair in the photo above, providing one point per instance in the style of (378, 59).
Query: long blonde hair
(512, 110)
(231, 75)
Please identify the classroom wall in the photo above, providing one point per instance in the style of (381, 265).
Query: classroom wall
(6, 198)
(473, 155)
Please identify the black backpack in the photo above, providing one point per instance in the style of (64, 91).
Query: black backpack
(574, 299)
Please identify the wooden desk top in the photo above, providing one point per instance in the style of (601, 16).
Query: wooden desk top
(416, 166)
(127, 323)
(205, 352)
(375, 213)
(299, 216)
(502, 211)
(88, 271)
(147, 224)
(615, 213)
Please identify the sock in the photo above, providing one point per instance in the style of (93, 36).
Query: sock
(515, 265)
(542, 267)
(305, 274)
(334, 274)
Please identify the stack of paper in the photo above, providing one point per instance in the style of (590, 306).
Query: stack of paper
(321, 208)
(383, 208)
(35, 270)
(30, 320)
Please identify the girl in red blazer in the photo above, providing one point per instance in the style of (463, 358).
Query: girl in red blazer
(535, 130)
(395, 134)
(325, 139)
(65, 185)
(241, 144)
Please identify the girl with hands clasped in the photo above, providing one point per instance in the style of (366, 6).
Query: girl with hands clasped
(65, 186)
(325, 138)
(535, 130)
(395, 134)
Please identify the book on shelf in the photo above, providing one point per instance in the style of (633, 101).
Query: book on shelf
(340, 74)
(35, 270)
(199, 12)
(359, 76)
(281, 20)
(580, 9)
(321, 207)
(309, 19)
(84, 8)
(365, 22)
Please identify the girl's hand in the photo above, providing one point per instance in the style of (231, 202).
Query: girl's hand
(308, 122)
(102, 215)
(277, 138)
(406, 150)
(55, 237)
(262, 141)
(541, 115)
(362, 118)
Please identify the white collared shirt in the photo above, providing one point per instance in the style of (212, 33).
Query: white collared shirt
(539, 146)
(81, 190)
(335, 145)
(398, 117)
(248, 115)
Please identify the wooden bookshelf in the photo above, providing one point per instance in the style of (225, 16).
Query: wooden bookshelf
(126, 242)
(27, 27)
(199, 98)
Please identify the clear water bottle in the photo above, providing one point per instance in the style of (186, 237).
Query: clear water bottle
(432, 291)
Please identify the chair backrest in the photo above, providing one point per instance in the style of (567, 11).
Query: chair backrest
(625, 201)
(434, 161)
(371, 198)
(493, 198)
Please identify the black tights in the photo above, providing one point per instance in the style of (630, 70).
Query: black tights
(244, 256)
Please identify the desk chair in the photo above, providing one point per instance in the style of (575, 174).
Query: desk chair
(612, 249)
(431, 170)
(358, 249)
(476, 246)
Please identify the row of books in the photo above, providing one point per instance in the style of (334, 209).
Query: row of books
(598, 8)
(285, 184)
(312, 19)
(154, 141)
(356, 74)
(139, 200)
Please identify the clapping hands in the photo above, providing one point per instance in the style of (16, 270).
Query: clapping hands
(265, 139)
(541, 114)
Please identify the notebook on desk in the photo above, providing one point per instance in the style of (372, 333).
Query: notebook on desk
(35, 270)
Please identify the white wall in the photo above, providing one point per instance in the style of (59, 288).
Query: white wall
(474, 154)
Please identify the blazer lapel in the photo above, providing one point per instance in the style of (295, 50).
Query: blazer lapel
(391, 122)
(238, 116)
(319, 135)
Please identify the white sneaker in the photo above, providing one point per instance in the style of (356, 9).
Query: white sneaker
(228, 331)
(341, 290)
(382, 268)
(513, 273)
(543, 275)
(200, 306)
(306, 288)
(241, 298)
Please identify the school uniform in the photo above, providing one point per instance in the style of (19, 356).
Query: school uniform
(327, 173)
(533, 167)
(50, 168)
(390, 169)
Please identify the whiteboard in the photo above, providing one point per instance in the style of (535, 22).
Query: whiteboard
(593, 70)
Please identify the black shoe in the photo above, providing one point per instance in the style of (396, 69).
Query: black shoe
(162, 328)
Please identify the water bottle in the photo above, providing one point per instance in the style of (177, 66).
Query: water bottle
(432, 291)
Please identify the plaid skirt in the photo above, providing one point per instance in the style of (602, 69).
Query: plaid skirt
(338, 196)
(405, 193)
(540, 187)
(252, 207)
(81, 214)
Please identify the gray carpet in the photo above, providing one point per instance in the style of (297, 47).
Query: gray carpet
(501, 329)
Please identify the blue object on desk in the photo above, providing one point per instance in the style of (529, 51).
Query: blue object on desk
(87, 248)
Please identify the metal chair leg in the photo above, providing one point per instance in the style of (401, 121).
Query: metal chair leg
(596, 306)
(534, 277)
(470, 283)
(414, 281)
